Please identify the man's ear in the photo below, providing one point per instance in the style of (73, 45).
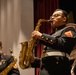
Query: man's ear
(64, 19)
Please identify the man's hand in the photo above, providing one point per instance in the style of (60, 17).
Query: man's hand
(36, 34)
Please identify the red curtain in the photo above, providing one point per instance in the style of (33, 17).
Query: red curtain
(43, 9)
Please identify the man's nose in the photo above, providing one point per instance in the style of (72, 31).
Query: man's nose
(51, 18)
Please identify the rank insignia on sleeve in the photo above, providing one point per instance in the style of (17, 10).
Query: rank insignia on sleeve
(68, 34)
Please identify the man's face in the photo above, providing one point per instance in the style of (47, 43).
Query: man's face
(58, 19)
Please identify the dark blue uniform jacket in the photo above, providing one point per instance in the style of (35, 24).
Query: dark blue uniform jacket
(63, 40)
(5, 60)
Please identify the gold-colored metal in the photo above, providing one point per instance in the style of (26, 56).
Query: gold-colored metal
(9, 67)
(26, 52)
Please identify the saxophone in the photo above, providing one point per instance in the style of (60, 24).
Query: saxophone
(9, 67)
(26, 52)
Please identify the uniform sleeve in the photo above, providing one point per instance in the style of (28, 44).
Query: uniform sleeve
(67, 35)
(36, 63)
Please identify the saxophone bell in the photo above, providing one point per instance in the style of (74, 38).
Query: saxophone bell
(26, 53)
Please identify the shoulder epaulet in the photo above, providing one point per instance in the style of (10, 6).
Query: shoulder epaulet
(71, 24)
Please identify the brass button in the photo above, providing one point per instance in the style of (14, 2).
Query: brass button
(46, 38)
(51, 41)
(57, 62)
(42, 37)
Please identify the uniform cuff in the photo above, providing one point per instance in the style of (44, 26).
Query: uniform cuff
(48, 38)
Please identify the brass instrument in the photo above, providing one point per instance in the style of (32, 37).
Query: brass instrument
(27, 48)
(9, 67)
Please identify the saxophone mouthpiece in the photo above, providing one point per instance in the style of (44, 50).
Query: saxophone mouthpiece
(50, 20)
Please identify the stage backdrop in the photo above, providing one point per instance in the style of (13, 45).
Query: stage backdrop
(16, 25)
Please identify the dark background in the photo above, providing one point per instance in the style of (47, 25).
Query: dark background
(68, 5)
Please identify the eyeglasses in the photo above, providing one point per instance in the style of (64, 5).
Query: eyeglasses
(56, 15)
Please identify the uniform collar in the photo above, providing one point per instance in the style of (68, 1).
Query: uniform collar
(58, 28)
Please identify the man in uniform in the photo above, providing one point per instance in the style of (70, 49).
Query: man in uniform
(7, 64)
(59, 45)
